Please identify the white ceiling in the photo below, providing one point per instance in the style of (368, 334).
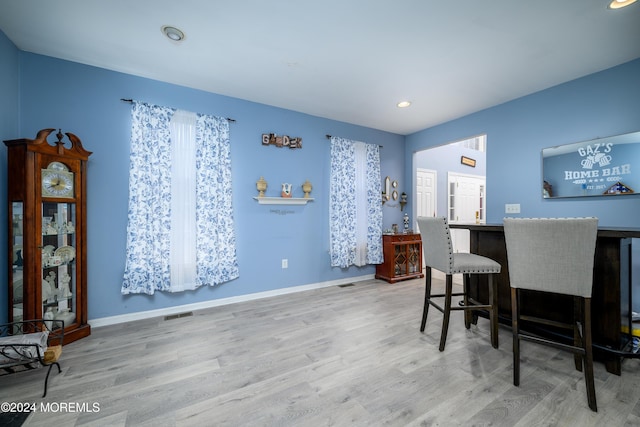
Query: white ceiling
(348, 60)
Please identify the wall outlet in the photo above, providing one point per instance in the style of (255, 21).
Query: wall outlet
(512, 208)
(285, 263)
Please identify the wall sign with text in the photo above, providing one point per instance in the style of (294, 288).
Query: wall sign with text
(281, 140)
(603, 166)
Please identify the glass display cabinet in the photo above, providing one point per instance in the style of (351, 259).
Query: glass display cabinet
(47, 232)
(402, 257)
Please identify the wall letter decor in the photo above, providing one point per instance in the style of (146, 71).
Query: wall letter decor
(281, 141)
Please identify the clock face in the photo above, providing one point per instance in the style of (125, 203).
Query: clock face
(57, 183)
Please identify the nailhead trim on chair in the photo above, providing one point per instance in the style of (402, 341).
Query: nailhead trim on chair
(496, 270)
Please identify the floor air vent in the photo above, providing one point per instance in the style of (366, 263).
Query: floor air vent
(345, 285)
(177, 316)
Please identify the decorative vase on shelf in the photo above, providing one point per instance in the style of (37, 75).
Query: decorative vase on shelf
(261, 185)
(405, 220)
(306, 188)
(286, 190)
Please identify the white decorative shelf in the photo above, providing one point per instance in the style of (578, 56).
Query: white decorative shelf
(282, 200)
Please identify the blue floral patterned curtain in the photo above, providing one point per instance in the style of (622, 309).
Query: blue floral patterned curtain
(148, 243)
(355, 207)
(147, 267)
(216, 248)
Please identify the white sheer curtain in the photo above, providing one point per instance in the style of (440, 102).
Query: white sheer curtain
(355, 208)
(183, 201)
(360, 196)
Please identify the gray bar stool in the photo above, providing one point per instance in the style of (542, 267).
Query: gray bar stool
(438, 254)
(554, 255)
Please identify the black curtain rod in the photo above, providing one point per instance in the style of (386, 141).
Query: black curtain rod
(131, 101)
(329, 137)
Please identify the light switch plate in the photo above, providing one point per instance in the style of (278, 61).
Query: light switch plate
(512, 208)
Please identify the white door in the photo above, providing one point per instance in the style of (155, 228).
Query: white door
(425, 192)
(466, 206)
(466, 198)
(425, 196)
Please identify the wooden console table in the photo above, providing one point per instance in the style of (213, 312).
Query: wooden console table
(611, 297)
(402, 257)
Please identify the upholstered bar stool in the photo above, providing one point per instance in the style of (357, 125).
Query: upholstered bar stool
(439, 255)
(554, 255)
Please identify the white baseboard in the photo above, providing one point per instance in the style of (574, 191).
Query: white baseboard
(140, 315)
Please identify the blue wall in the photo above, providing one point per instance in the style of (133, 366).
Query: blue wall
(598, 105)
(86, 101)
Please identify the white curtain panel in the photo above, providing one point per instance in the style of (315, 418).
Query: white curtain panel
(360, 152)
(355, 208)
(183, 201)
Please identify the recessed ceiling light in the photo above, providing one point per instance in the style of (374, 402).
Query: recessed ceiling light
(172, 33)
(618, 4)
(403, 104)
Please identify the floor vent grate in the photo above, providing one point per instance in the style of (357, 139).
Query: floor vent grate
(345, 285)
(179, 315)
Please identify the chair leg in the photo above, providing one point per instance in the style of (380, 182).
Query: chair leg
(46, 379)
(427, 296)
(447, 311)
(468, 314)
(493, 312)
(515, 325)
(588, 357)
(577, 332)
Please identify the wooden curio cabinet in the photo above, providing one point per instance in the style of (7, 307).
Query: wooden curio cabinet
(402, 257)
(47, 231)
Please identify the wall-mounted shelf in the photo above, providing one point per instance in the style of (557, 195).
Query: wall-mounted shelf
(282, 200)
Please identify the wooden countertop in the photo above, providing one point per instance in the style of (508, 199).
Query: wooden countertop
(622, 232)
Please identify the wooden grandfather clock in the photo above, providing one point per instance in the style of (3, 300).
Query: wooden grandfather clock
(47, 231)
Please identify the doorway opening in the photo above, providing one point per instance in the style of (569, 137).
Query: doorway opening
(450, 181)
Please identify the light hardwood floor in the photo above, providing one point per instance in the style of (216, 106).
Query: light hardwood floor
(339, 356)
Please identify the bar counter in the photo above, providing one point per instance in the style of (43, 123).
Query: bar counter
(611, 297)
